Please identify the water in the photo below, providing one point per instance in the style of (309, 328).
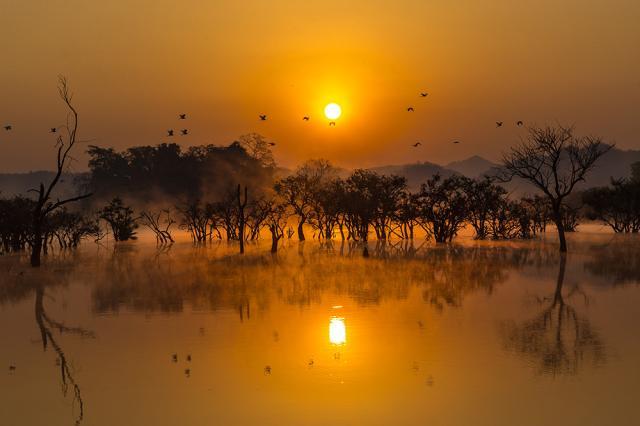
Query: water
(473, 333)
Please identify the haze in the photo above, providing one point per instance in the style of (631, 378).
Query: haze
(134, 65)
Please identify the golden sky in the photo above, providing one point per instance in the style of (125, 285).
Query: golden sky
(135, 64)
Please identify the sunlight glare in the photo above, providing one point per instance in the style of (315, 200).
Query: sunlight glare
(337, 331)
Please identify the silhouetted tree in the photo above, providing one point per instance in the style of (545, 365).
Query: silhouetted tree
(618, 205)
(486, 200)
(554, 160)
(45, 204)
(443, 206)
(300, 188)
(121, 220)
(242, 203)
(160, 224)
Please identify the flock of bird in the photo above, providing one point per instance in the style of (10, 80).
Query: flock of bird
(264, 117)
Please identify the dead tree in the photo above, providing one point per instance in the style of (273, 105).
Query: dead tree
(160, 223)
(45, 203)
(554, 160)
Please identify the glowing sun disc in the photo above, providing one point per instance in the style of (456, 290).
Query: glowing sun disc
(332, 111)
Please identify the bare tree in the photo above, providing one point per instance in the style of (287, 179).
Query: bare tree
(160, 223)
(45, 203)
(554, 160)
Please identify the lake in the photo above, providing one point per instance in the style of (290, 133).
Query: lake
(473, 333)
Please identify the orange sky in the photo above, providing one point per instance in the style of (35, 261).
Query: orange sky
(135, 64)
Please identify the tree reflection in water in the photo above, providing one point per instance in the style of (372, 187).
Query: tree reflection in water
(18, 286)
(46, 324)
(166, 283)
(558, 341)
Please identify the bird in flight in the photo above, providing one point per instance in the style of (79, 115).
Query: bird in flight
(184, 132)
(263, 117)
(498, 123)
(424, 94)
(170, 132)
(410, 109)
(417, 144)
(8, 127)
(53, 130)
(519, 123)
(183, 116)
(305, 118)
(456, 141)
(333, 123)
(272, 144)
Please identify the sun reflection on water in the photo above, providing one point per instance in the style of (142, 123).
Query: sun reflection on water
(337, 331)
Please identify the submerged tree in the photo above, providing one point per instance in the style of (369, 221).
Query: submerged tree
(121, 220)
(45, 203)
(618, 205)
(554, 160)
(160, 224)
(443, 206)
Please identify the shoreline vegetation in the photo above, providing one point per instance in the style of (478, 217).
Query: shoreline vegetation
(238, 193)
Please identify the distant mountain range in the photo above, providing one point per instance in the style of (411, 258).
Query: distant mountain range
(614, 164)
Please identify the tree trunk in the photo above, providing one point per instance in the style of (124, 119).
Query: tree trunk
(36, 247)
(300, 230)
(557, 218)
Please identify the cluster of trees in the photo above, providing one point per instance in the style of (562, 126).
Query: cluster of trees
(62, 228)
(617, 205)
(235, 193)
(352, 208)
(147, 173)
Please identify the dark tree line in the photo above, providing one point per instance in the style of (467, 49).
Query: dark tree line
(617, 205)
(235, 193)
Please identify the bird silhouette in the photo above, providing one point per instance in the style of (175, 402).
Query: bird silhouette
(184, 132)
(8, 127)
(498, 123)
(272, 144)
(263, 117)
(174, 357)
(187, 372)
(12, 368)
(410, 109)
(53, 130)
(305, 118)
(333, 124)
(519, 123)
(189, 358)
(267, 370)
(310, 363)
(456, 141)
(424, 94)
(170, 132)
(183, 116)
(417, 144)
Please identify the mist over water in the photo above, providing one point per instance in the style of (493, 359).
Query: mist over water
(469, 333)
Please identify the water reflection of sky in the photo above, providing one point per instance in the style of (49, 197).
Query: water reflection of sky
(463, 327)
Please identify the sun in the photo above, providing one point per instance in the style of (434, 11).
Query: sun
(332, 111)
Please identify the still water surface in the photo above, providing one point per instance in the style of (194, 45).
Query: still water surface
(467, 334)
